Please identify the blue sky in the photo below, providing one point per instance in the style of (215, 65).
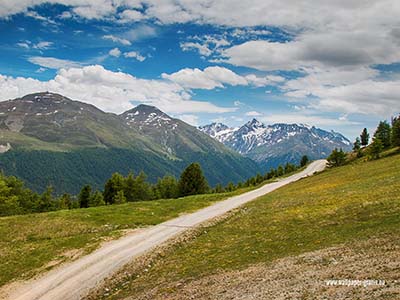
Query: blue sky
(203, 61)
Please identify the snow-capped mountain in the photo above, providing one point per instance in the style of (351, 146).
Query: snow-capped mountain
(279, 143)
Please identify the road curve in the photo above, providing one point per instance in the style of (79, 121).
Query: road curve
(75, 279)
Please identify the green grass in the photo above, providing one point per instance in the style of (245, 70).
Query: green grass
(29, 242)
(353, 202)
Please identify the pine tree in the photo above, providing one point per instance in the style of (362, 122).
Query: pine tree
(336, 158)
(383, 133)
(65, 202)
(45, 201)
(192, 181)
(96, 199)
(396, 132)
(119, 198)
(280, 171)
(8, 202)
(376, 148)
(130, 188)
(167, 187)
(364, 137)
(112, 187)
(84, 196)
(230, 187)
(304, 160)
(218, 188)
(143, 187)
(357, 144)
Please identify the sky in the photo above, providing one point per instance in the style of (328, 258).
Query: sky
(332, 64)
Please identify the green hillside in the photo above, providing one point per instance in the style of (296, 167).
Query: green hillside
(48, 239)
(343, 205)
(64, 143)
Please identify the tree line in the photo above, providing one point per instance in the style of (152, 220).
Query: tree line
(386, 136)
(15, 198)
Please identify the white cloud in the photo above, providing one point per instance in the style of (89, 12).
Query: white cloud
(201, 48)
(65, 15)
(111, 91)
(116, 39)
(239, 13)
(130, 15)
(237, 103)
(52, 62)
(139, 33)
(115, 52)
(35, 15)
(134, 54)
(316, 120)
(213, 77)
(349, 91)
(190, 119)
(43, 45)
(253, 113)
(23, 45)
(264, 81)
(40, 70)
(314, 49)
(208, 79)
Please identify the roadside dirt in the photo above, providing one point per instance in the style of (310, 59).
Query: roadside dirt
(302, 277)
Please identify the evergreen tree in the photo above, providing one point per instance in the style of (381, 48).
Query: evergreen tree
(119, 198)
(192, 181)
(396, 132)
(383, 133)
(272, 173)
(357, 144)
(219, 189)
(45, 201)
(84, 196)
(112, 187)
(142, 187)
(304, 160)
(364, 137)
(280, 171)
(376, 148)
(167, 187)
(336, 158)
(230, 187)
(130, 188)
(289, 168)
(65, 202)
(96, 199)
(8, 202)
(259, 178)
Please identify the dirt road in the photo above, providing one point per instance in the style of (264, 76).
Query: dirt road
(73, 280)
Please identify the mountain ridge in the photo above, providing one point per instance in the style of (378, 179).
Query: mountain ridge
(277, 143)
(66, 140)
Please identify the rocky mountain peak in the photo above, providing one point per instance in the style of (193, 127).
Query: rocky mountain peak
(147, 116)
(278, 143)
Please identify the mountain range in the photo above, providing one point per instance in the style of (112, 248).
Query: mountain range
(277, 144)
(48, 139)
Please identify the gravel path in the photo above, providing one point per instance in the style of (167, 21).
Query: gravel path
(74, 280)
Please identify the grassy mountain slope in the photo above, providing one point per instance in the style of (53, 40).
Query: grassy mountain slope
(350, 204)
(64, 143)
(48, 239)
